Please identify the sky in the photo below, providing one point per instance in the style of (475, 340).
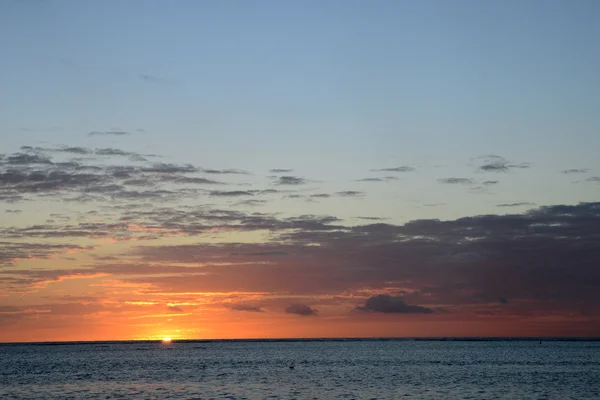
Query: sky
(269, 169)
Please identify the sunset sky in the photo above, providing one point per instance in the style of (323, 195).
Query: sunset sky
(267, 169)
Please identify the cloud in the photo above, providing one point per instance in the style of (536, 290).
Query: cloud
(231, 193)
(456, 181)
(251, 202)
(384, 303)
(320, 195)
(489, 183)
(74, 150)
(106, 133)
(290, 180)
(225, 171)
(111, 152)
(300, 309)
(280, 170)
(593, 179)
(575, 171)
(246, 307)
(384, 179)
(27, 159)
(169, 168)
(350, 193)
(494, 163)
(403, 168)
(516, 204)
(174, 309)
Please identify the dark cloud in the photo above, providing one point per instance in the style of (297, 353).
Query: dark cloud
(516, 204)
(113, 133)
(350, 193)
(185, 180)
(488, 183)
(320, 195)
(13, 251)
(251, 202)
(456, 181)
(593, 179)
(225, 171)
(231, 193)
(246, 307)
(27, 159)
(280, 170)
(494, 163)
(290, 180)
(111, 152)
(575, 171)
(384, 179)
(75, 150)
(371, 218)
(300, 309)
(262, 253)
(403, 168)
(174, 309)
(169, 168)
(387, 304)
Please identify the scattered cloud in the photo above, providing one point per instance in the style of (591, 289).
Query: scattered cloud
(225, 171)
(521, 204)
(300, 309)
(575, 171)
(230, 193)
(384, 179)
(403, 168)
(246, 307)
(280, 170)
(350, 193)
(456, 181)
(106, 133)
(494, 163)
(384, 303)
(290, 180)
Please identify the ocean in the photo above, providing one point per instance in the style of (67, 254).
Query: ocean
(322, 369)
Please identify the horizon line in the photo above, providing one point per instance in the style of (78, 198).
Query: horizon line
(317, 339)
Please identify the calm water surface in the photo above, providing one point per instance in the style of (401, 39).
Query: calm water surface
(322, 370)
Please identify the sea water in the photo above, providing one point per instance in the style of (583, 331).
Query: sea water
(346, 369)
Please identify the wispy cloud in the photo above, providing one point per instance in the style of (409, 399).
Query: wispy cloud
(246, 307)
(494, 163)
(521, 204)
(456, 181)
(350, 193)
(290, 180)
(402, 168)
(108, 133)
(230, 193)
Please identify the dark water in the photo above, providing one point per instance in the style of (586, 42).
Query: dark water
(322, 370)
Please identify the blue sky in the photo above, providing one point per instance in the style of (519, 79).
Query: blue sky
(330, 89)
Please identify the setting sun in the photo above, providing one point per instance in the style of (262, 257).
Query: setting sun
(166, 340)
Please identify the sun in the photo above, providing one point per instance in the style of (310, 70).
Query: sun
(166, 340)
